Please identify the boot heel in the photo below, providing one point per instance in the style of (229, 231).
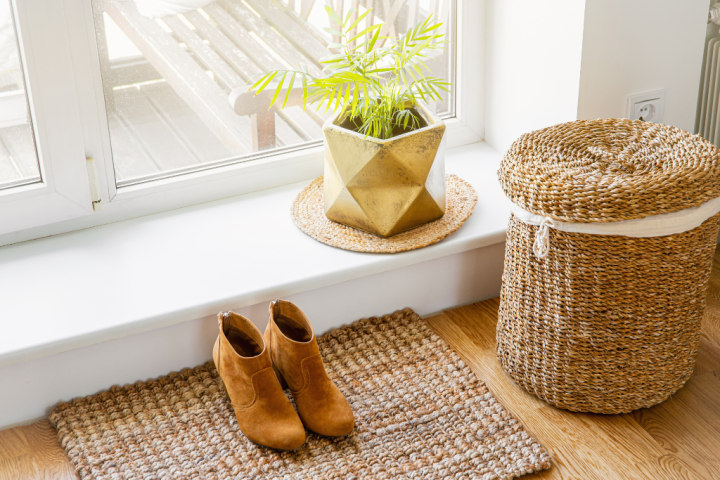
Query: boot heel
(280, 377)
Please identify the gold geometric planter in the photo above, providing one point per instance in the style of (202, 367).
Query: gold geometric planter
(385, 186)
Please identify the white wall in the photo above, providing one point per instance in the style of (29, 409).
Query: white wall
(632, 46)
(31, 388)
(532, 71)
(551, 61)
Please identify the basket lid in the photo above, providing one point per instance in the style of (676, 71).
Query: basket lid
(609, 170)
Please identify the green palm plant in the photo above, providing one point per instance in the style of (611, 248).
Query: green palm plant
(375, 84)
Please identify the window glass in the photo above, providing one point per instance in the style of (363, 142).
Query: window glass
(18, 157)
(176, 73)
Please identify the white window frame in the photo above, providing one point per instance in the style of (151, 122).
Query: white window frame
(63, 192)
(206, 185)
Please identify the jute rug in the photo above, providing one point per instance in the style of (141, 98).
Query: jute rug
(420, 414)
(308, 213)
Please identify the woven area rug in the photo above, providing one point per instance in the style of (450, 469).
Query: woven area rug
(420, 413)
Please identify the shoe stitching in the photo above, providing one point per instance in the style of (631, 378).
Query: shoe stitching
(255, 395)
(306, 374)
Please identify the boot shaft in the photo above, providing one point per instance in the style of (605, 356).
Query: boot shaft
(262, 410)
(290, 339)
(296, 356)
(240, 352)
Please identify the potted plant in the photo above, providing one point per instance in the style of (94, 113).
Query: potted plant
(384, 167)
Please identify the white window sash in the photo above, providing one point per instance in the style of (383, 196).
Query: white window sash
(216, 183)
(47, 62)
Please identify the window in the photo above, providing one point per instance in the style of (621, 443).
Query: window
(154, 94)
(174, 79)
(43, 177)
(18, 157)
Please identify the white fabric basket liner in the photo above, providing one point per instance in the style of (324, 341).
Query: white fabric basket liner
(653, 226)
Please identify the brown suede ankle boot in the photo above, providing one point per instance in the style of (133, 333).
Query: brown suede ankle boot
(296, 358)
(264, 413)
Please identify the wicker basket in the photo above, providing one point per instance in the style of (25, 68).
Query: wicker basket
(605, 323)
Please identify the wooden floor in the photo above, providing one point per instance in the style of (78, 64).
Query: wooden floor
(678, 439)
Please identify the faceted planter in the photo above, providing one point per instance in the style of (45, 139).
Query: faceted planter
(384, 186)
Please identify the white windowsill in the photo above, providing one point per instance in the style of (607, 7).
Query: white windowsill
(93, 285)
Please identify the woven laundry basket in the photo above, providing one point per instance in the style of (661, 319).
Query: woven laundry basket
(607, 261)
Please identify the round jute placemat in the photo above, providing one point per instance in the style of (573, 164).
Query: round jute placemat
(309, 215)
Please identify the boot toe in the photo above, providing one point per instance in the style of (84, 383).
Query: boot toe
(338, 424)
(291, 439)
(334, 419)
(288, 435)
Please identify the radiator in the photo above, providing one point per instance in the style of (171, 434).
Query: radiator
(708, 113)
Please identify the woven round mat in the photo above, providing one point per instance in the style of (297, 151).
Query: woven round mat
(309, 215)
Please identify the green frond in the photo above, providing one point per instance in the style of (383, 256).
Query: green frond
(376, 85)
(260, 85)
(338, 97)
(305, 91)
(373, 41)
(355, 100)
(357, 20)
(289, 90)
(333, 31)
(348, 17)
(278, 89)
(334, 17)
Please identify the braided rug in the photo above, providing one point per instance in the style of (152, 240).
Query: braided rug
(420, 414)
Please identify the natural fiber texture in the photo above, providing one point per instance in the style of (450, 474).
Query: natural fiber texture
(420, 413)
(610, 169)
(605, 323)
(309, 215)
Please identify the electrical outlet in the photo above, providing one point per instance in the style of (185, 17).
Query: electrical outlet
(648, 106)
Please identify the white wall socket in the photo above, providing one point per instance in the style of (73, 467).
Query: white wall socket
(648, 106)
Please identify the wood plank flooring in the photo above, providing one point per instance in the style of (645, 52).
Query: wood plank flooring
(678, 439)
(33, 453)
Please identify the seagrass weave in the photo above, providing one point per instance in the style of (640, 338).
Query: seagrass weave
(308, 213)
(605, 323)
(420, 413)
(610, 169)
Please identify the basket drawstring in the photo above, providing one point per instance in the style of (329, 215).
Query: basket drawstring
(541, 245)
